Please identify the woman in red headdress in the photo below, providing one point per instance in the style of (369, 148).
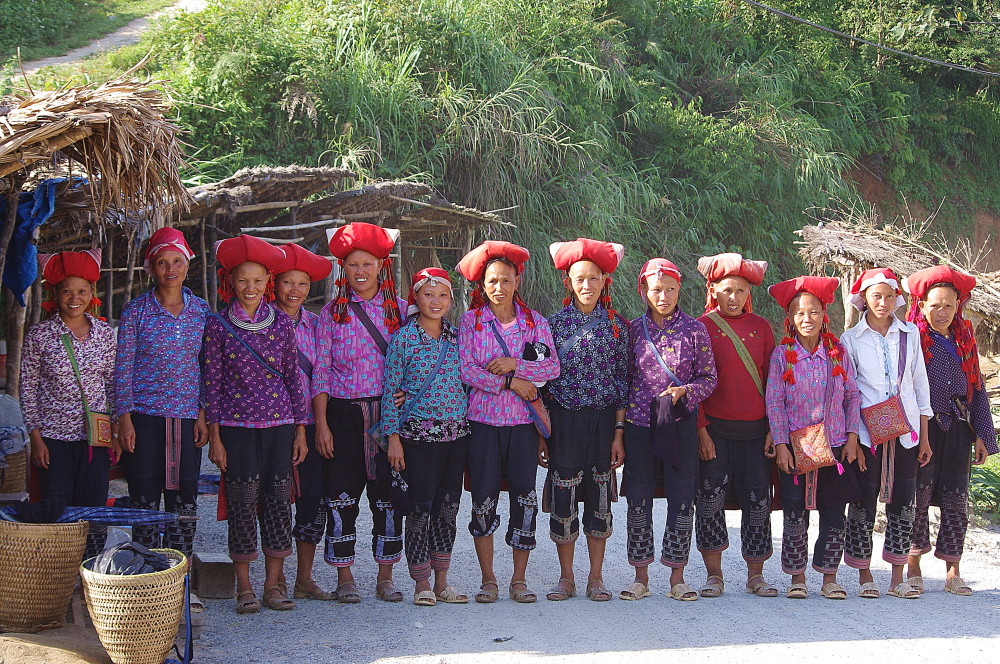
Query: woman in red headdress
(353, 338)
(587, 405)
(961, 433)
(811, 397)
(892, 381)
(507, 353)
(733, 431)
(256, 411)
(428, 435)
(68, 364)
(157, 382)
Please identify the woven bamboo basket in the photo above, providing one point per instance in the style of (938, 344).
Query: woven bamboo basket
(137, 616)
(14, 476)
(38, 571)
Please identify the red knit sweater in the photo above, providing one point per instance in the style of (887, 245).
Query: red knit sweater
(736, 396)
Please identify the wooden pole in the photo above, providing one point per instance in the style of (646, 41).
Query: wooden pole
(14, 326)
(109, 278)
(35, 314)
(213, 275)
(203, 254)
(133, 251)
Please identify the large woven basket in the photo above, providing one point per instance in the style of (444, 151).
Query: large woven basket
(13, 477)
(38, 571)
(137, 616)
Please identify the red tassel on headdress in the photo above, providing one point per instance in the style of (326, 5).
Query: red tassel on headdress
(965, 342)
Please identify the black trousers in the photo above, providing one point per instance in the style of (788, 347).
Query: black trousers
(79, 479)
(310, 504)
(145, 471)
(944, 482)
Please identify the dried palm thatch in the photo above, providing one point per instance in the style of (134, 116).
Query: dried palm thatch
(116, 131)
(438, 217)
(372, 203)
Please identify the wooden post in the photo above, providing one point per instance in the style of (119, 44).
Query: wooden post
(204, 260)
(14, 326)
(10, 217)
(109, 277)
(37, 296)
(133, 252)
(213, 275)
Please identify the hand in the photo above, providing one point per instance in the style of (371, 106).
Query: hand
(324, 440)
(706, 446)
(502, 365)
(853, 452)
(980, 453)
(786, 461)
(395, 453)
(769, 450)
(676, 392)
(524, 389)
(216, 451)
(39, 450)
(299, 447)
(126, 433)
(543, 452)
(399, 398)
(924, 452)
(200, 430)
(618, 450)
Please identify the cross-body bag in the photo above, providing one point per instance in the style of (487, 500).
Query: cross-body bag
(229, 328)
(98, 424)
(376, 430)
(373, 331)
(741, 349)
(574, 338)
(659, 357)
(539, 413)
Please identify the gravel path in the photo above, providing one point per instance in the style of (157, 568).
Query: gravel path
(129, 34)
(734, 628)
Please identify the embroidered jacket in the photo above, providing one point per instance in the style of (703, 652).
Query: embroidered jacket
(157, 370)
(593, 373)
(50, 394)
(489, 403)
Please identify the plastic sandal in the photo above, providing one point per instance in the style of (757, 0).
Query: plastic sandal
(905, 591)
(279, 603)
(347, 593)
(683, 592)
(635, 592)
(762, 588)
(313, 591)
(597, 592)
(387, 591)
(714, 586)
(521, 596)
(451, 596)
(797, 591)
(424, 598)
(559, 593)
(917, 583)
(485, 596)
(247, 606)
(956, 586)
(870, 591)
(833, 590)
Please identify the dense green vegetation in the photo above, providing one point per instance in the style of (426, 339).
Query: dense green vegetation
(679, 127)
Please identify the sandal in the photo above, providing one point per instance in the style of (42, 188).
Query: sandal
(279, 603)
(522, 596)
(451, 596)
(485, 596)
(247, 606)
(597, 592)
(956, 586)
(347, 593)
(636, 591)
(424, 598)
(797, 591)
(870, 591)
(683, 592)
(387, 591)
(312, 590)
(833, 590)
(905, 591)
(917, 583)
(558, 593)
(713, 587)
(762, 588)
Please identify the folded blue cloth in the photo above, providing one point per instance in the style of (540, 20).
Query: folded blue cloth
(33, 209)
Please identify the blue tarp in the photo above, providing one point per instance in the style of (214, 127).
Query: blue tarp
(33, 209)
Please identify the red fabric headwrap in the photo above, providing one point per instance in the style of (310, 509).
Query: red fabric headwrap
(246, 249)
(369, 238)
(82, 264)
(428, 274)
(606, 255)
(303, 260)
(658, 267)
(473, 264)
(166, 239)
(717, 268)
(825, 288)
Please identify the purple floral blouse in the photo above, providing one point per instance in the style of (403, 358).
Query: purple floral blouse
(305, 340)
(593, 373)
(948, 381)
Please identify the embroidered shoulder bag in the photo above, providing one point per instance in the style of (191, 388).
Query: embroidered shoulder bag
(98, 424)
(887, 420)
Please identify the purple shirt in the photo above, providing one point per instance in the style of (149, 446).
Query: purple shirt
(489, 403)
(350, 365)
(305, 341)
(685, 346)
(947, 380)
(239, 390)
(791, 407)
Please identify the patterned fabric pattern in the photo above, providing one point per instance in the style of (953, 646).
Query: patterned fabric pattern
(946, 477)
(639, 529)
(677, 540)
(412, 356)
(306, 329)
(50, 394)
(489, 403)
(157, 370)
(239, 391)
(241, 502)
(948, 381)
(793, 406)
(594, 372)
(858, 546)
(685, 346)
(350, 365)
(430, 535)
(829, 547)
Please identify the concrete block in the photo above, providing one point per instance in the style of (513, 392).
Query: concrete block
(213, 576)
